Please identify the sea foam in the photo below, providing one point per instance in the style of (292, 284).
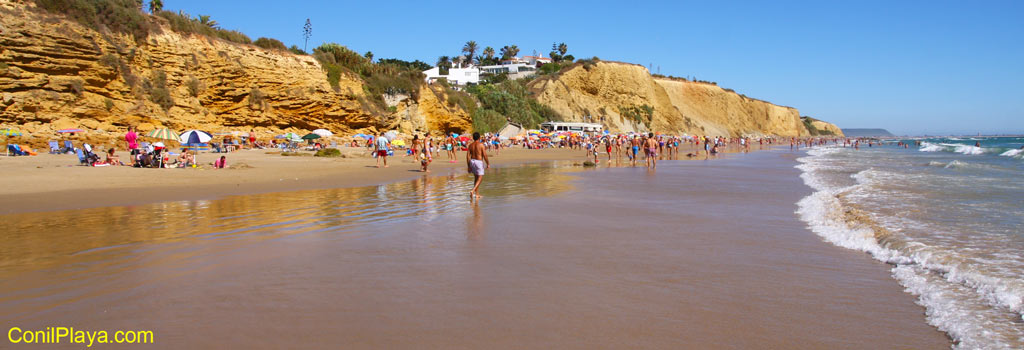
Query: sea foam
(951, 292)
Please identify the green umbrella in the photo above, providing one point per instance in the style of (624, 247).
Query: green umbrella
(164, 134)
(311, 136)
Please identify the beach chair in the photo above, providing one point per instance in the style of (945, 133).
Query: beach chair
(54, 147)
(68, 147)
(81, 157)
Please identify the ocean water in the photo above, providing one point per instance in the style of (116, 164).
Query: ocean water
(947, 215)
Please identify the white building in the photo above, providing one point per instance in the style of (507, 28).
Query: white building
(514, 70)
(455, 76)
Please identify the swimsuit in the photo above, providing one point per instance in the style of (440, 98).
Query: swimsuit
(477, 167)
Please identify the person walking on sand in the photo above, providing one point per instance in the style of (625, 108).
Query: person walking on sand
(252, 138)
(476, 162)
(382, 149)
(133, 145)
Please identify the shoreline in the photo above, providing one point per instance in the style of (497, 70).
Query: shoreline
(49, 182)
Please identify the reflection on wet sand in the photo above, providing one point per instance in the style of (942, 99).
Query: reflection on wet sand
(586, 258)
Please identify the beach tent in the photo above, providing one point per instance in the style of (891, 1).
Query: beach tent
(7, 133)
(323, 132)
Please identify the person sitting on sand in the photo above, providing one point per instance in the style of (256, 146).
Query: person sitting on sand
(220, 163)
(112, 158)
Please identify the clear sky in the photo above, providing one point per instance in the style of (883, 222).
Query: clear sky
(913, 67)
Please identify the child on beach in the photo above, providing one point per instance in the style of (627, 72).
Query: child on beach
(220, 163)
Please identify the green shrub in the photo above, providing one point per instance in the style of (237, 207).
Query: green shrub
(194, 87)
(328, 152)
(256, 97)
(182, 22)
(122, 16)
(512, 100)
(270, 44)
(642, 114)
(486, 120)
(77, 87)
(112, 61)
(158, 91)
(296, 50)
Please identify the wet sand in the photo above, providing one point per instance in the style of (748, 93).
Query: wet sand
(55, 182)
(693, 255)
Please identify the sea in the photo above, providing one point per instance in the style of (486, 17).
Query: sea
(946, 213)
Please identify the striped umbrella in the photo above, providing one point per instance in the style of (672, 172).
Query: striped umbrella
(195, 137)
(163, 134)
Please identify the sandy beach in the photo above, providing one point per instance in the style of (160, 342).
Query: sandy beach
(545, 260)
(55, 182)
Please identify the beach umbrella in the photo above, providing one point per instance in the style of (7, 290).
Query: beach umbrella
(311, 136)
(398, 142)
(391, 135)
(193, 137)
(364, 136)
(10, 132)
(323, 132)
(163, 134)
(290, 136)
(73, 130)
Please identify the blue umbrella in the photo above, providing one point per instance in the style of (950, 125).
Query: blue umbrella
(365, 136)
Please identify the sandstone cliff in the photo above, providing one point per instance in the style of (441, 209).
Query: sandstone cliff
(55, 73)
(611, 93)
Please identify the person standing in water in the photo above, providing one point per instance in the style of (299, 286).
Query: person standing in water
(476, 162)
(381, 147)
(652, 151)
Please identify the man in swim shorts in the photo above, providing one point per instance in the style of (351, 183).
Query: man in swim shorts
(635, 143)
(476, 162)
(652, 151)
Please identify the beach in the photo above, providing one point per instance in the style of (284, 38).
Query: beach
(695, 254)
(56, 182)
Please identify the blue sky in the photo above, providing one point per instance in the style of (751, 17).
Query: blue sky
(913, 67)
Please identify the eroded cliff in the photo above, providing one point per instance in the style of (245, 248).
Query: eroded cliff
(56, 73)
(625, 97)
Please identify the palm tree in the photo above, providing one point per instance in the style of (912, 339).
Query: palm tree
(563, 48)
(457, 60)
(369, 55)
(470, 50)
(155, 6)
(444, 62)
(489, 52)
(205, 20)
(506, 52)
(514, 51)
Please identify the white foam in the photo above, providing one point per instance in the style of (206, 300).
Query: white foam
(943, 298)
(1016, 153)
(931, 147)
(968, 149)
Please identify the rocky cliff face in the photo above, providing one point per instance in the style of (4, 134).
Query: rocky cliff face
(612, 93)
(58, 74)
